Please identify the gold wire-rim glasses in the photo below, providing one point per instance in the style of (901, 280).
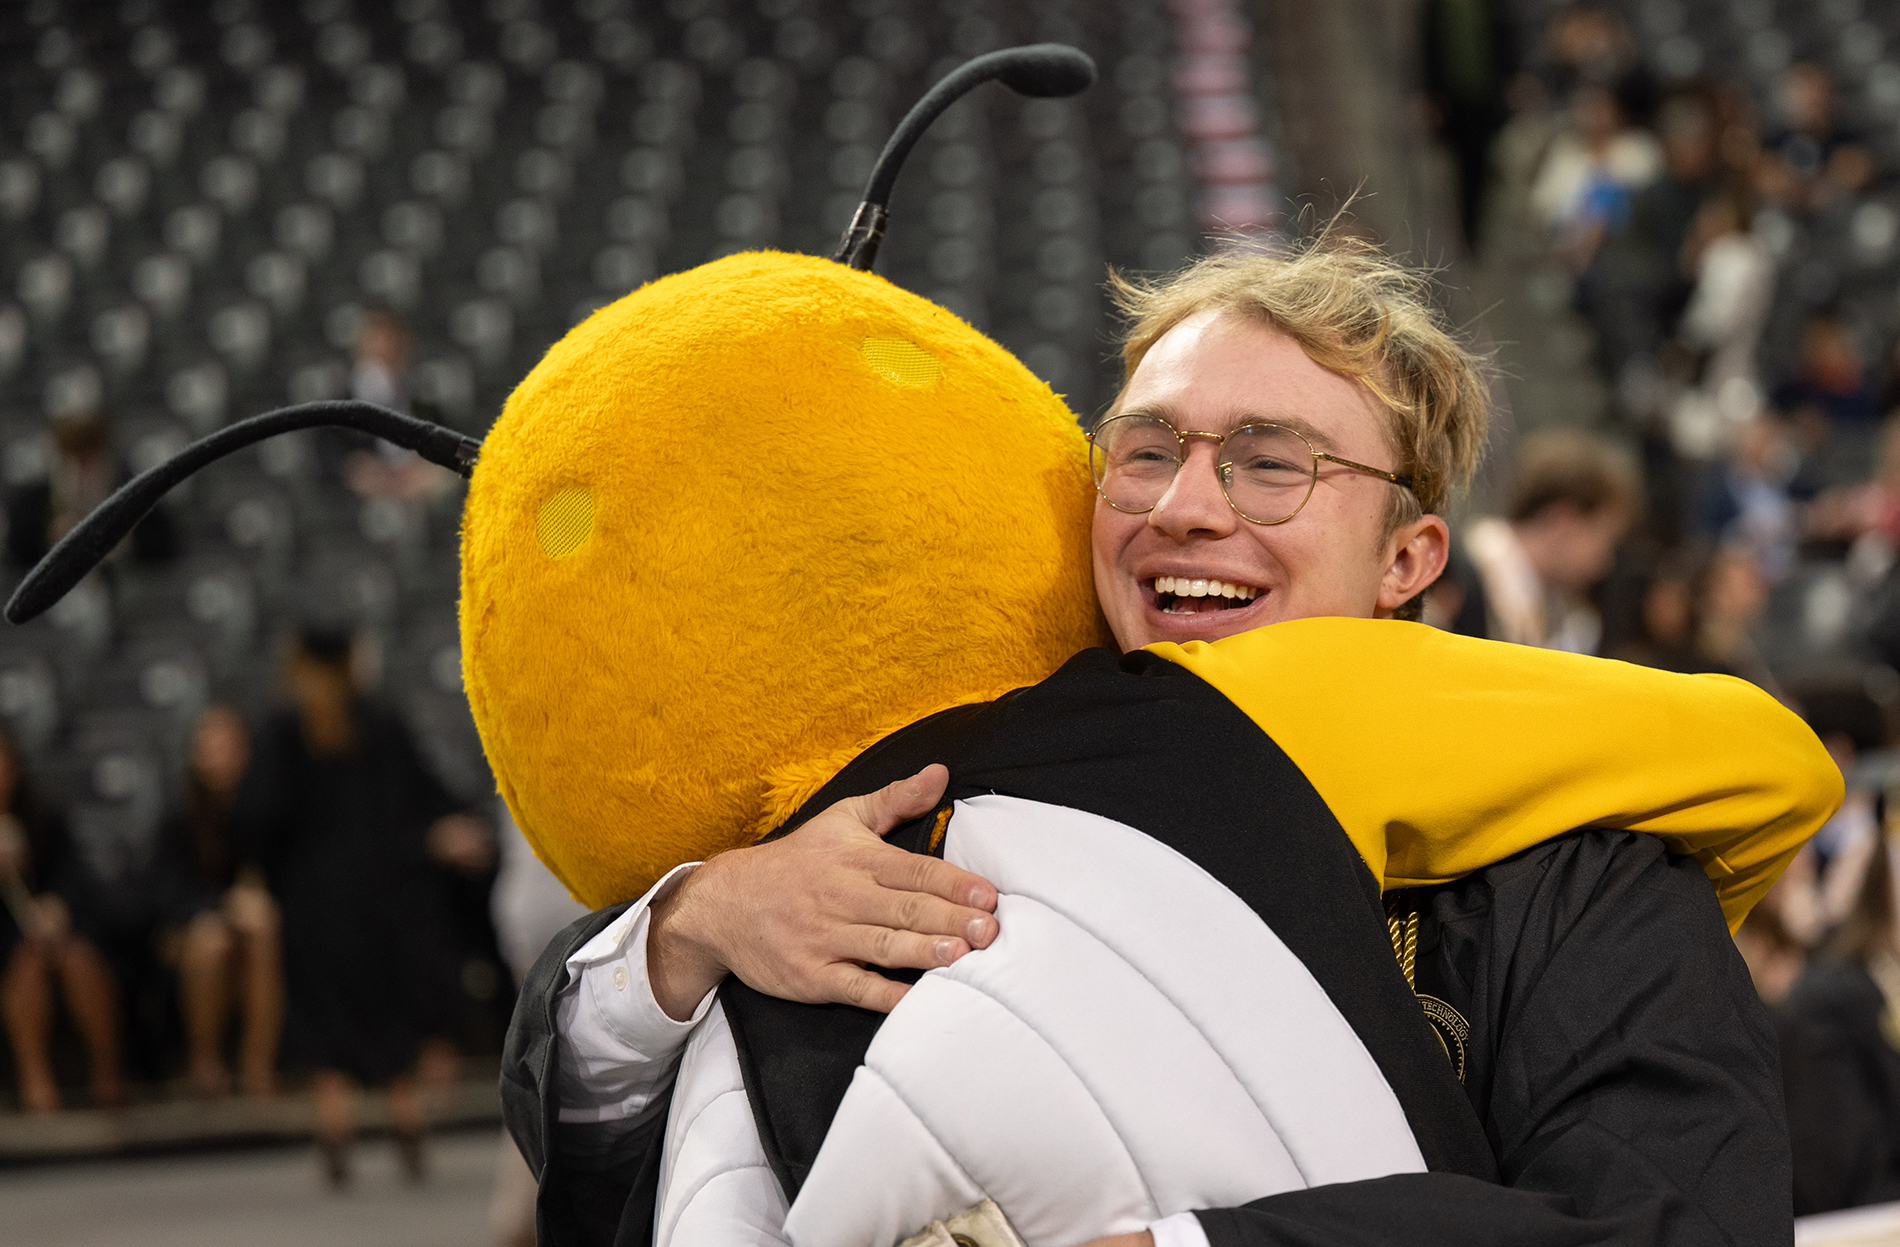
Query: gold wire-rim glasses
(1224, 470)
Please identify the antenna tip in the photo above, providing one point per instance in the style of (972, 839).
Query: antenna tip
(21, 608)
(1048, 70)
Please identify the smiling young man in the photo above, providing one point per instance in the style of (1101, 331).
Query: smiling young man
(1290, 431)
(1226, 407)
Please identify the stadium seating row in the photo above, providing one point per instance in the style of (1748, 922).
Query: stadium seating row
(200, 201)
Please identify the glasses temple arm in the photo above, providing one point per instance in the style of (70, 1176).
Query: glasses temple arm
(1397, 478)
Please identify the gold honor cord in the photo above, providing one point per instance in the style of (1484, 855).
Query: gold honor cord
(1401, 923)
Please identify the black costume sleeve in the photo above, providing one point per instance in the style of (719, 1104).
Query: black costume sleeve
(598, 1184)
(1618, 1057)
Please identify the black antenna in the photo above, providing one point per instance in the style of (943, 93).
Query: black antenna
(1039, 69)
(86, 545)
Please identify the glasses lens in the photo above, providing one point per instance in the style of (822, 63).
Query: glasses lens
(1268, 472)
(1134, 459)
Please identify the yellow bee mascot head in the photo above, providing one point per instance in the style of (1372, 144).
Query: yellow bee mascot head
(736, 527)
(731, 530)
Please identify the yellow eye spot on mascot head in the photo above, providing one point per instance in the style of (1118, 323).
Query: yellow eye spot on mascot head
(731, 530)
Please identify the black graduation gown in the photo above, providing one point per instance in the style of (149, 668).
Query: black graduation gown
(1622, 1096)
(368, 966)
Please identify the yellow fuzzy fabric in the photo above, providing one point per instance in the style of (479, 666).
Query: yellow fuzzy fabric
(735, 527)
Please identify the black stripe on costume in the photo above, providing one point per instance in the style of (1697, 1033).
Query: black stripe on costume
(1147, 743)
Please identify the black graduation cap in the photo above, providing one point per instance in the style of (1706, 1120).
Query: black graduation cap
(1037, 69)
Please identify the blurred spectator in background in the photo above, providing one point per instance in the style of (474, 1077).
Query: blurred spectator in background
(1634, 285)
(1830, 402)
(39, 945)
(529, 904)
(380, 375)
(1738, 133)
(1573, 498)
(1865, 513)
(1775, 958)
(1841, 1056)
(137, 894)
(1585, 43)
(1813, 161)
(1731, 595)
(1468, 59)
(1698, 609)
(1830, 376)
(1662, 211)
(1585, 186)
(1731, 290)
(380, 371)
(530, 907)
(231, 939)
(1669, 625)
(1865, 517)
(348, 824)
(1582, 45)
(82, 473)
(1745, 500)
(1820, 887)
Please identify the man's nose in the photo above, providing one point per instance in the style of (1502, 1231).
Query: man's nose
(1195, 504)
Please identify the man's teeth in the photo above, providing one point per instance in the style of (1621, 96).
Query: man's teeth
(1185, 587)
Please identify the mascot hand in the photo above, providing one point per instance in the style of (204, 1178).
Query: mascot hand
(801, 916)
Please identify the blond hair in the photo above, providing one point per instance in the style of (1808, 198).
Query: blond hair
(1359, 313)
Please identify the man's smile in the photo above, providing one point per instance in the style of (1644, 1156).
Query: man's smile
(1195, 595)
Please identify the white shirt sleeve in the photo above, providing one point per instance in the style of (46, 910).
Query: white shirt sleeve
(619, 1049)
(1183, 1229)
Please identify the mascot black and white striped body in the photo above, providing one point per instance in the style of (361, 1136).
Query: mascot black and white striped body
(1191, 1004)
(1194, 1008)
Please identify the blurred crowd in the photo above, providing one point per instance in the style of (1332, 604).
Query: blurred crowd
(1728, 238)
(1755, 497)
(303, 906)
(312, 901)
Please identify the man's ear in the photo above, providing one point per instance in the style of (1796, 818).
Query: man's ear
(1417, 554)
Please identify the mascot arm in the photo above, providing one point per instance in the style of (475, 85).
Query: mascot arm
(1491, 748)
(1632, 1099)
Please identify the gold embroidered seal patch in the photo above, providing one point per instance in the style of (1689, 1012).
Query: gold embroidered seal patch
(1450, 1027)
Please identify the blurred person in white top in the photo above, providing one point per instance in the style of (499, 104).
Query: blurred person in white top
(1573, 500)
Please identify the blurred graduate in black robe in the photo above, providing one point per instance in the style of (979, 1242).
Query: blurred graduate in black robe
(350, 827)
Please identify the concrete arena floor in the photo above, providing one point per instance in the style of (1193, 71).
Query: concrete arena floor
(274, 1196)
